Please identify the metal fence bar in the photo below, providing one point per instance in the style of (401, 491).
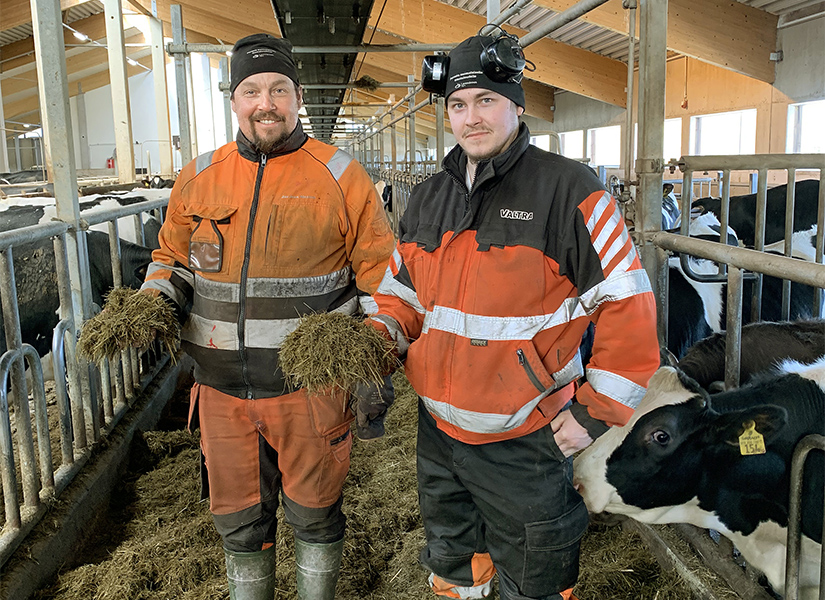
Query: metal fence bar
(750, 162)
(790, 205)
(41, 417)
(9, 474)
(61, 393)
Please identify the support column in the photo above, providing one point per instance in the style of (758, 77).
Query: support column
(179, 38)
(53, 90)
(161, 94)
(650, 165)
(4, 147)
(227, 104)
(118, 81)
(411, 79)
(83, 131)
(439, 133)
(193, 116)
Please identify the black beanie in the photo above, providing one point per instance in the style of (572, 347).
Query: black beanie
(261, 53)
(464, 71)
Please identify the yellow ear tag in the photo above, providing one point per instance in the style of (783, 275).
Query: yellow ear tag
(751, 441)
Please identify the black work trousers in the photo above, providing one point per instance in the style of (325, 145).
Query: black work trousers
(514, 499)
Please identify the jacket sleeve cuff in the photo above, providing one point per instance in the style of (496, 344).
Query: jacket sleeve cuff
(594, 427)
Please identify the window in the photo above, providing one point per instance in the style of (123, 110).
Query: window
(724, 133)
(572, 144)
(541, 141)
(806, 122)
(604, 146)
(671, 145)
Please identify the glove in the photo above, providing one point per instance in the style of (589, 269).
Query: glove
(371, 402)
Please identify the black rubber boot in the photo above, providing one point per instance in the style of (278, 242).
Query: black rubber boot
(251, 575)
(317, 567)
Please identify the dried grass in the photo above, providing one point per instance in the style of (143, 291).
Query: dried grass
(366, 82)
(329, 350)
(129, 319)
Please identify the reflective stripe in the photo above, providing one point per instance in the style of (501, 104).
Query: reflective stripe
(486, 423)
(166, 286)
(603, 206)
(287, 287)
(185, 274)
(390, 286)
(618, 286)
(616, 387)
(219, 335)
(459, 591)
(339, 163)
(203, 161)
(620, 244)
(368, 305)
(270, 333)
(395, 331)
(499, 328)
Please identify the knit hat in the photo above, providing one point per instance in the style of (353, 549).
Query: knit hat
(261, 53)
(465, 71)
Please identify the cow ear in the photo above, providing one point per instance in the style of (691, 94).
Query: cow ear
(693, 387)
(666, 189)
(769, 420)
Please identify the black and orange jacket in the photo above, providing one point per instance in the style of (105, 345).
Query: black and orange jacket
(489, 291)
(251, 242)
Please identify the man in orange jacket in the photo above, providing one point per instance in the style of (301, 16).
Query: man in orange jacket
(259, 232)
(504, 260)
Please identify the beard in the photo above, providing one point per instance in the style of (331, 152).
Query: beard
(267, 143)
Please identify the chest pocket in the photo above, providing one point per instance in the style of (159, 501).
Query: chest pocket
(206, 242)
(302, 230)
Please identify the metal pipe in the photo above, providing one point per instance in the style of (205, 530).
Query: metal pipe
(7, 468)
(181, 47)
(733, 328)
(439, 132)
(746, 162)
(350, 86)
(61, 393)
(790, 203)
(631, 69)
(759, 240)
(560, 20)
(744, 258)
(41, 417)
(180, 86)
(505, 16)
(398, 104)
(414, 109)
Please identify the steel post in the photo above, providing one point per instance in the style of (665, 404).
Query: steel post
(179, 37)
(119, 84)
(161, 95)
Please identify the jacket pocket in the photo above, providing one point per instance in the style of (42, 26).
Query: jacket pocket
(531, 363)
(206, 242)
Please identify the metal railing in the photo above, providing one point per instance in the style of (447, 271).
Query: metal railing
(86, 409)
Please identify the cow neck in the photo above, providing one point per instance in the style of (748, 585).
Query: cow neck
(292, 143)
(455, 162)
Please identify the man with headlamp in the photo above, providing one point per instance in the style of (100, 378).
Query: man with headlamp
(504, 259)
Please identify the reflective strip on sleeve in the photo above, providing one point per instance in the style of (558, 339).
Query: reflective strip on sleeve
(390, 286)
(395, 331)
(368, 305)
(616, 387)
(619, 285)
(339, 163)
(164, 285)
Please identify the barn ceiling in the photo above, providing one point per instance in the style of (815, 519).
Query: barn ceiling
(734, 35)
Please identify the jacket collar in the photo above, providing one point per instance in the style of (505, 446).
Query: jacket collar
(295, 140)
(456, 161)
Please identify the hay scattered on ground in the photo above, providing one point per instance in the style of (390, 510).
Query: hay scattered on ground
(329, 350)
(158, 542)
(129, 319)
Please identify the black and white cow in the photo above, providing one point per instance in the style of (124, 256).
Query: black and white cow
(763, 346)
(678, 461)
(742, 215)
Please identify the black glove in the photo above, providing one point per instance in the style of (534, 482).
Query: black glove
(371, 401)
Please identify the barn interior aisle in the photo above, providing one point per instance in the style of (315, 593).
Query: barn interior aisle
(157, 542)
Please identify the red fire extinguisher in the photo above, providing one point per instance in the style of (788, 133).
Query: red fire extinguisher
(110, 163)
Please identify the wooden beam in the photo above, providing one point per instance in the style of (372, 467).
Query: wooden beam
(18, 12)
(724, 33)
(557, 64)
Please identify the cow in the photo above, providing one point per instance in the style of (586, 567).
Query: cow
(763, 346)
(696, 309)
(678, 460)
(742, 214)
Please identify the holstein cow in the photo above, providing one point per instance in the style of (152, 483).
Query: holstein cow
(679, 460)
(763, 346)
(742, 215)
(696, 309)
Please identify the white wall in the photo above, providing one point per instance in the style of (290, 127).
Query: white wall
(801, 74)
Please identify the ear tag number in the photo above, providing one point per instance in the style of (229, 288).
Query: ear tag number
(751, 441)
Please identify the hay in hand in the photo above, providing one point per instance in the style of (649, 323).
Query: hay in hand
(367, 83)
(129, 319)
(330, 350)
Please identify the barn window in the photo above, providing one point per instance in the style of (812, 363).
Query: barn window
(672, 144)
(572, 144)
(724, 133)
(541, 141)
(604, 146)
(806, 122)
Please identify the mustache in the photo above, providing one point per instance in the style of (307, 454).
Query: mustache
(474, 130)
(267, 116)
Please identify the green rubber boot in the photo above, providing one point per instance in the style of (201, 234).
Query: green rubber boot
(316, 568)
(251, 575)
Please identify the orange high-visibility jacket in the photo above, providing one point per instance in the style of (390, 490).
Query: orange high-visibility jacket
(490, 290)
(251, 242)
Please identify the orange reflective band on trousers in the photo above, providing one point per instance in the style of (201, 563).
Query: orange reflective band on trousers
(483, 571)
(309, 433)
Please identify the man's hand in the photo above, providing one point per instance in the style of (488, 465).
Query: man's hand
(371, 402)
(570, 436)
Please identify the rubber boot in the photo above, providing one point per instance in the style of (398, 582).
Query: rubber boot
(251, 575)
(316, 568)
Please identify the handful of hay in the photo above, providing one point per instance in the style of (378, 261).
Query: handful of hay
(329, 350)
(129, 319)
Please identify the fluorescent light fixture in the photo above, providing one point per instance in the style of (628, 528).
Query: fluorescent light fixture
(80, 36)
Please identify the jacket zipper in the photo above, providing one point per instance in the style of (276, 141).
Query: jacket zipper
(531, 374)
(244, 274)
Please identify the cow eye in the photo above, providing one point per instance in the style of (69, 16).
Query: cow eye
(660, 437)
